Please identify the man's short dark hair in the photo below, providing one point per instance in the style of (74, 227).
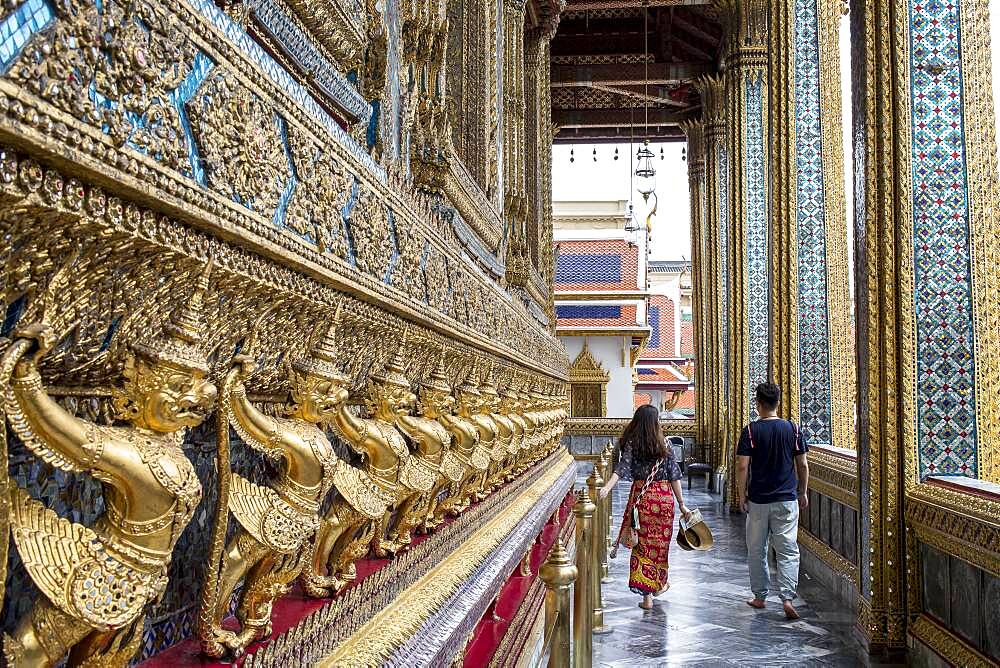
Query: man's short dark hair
(768, 394)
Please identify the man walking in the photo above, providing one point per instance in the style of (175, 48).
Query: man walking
(772, 479)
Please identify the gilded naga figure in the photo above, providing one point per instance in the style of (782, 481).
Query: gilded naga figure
(433, 443)
(276, 523)
(366, 494)
(96, 581)
(467, 449)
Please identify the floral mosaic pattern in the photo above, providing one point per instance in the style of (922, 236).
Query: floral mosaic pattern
(756, 236)
(946, 402)
(722, 163)
(813, 324)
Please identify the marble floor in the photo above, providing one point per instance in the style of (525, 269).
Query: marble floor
(703, 619)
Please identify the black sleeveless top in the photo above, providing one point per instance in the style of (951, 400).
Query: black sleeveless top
(632, 468)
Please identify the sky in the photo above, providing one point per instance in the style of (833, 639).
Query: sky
(608, 179)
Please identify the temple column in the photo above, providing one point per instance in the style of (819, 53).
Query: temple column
(812, 360)
(699, 274)
(749, 237)
(926, 250)
(712, 89)
(515, 200)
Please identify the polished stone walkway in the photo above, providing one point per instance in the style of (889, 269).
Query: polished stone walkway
(703, 619)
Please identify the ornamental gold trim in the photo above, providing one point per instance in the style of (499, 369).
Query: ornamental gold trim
(956, 523)
(379, 636)
(835, 561)
(947, 645)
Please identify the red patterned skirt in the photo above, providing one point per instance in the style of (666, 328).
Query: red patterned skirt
(650, 558)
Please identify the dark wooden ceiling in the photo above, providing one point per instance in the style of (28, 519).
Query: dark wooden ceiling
(603, 84)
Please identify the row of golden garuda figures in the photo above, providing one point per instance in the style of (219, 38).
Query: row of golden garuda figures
(416, 470)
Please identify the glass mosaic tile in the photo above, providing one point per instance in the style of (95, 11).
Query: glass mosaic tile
(19, 26)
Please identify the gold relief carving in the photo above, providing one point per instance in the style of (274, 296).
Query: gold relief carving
(339, 26)
(834, 560)
(956, 523)
(407, 273)
(835, 476)
(436, 275)
(320, 195)
(369, 224)
(945, 643)
(97, 580)
(143, 55)
(239, 141)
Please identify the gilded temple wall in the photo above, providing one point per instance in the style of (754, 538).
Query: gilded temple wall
(306, 152)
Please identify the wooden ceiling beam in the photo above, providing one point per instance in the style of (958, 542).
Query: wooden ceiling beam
(617, 136)
(591, 5)
(563, 76)
(615, 118)
(695, 30)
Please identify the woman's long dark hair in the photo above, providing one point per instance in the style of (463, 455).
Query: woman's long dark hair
(644, 436)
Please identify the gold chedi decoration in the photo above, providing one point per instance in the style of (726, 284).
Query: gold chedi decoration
(96, 581)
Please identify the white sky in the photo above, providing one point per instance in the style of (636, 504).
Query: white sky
(608, 179)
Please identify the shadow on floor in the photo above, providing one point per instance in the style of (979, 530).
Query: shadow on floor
(703, 619)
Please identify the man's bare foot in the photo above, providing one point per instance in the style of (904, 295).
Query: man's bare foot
(756, 603)
(646, 603)
(790, 611)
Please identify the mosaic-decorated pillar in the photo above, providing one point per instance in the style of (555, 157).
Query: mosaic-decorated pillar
(712, 89)
(749, 236)
(812, 360)
(699, 274)
(926, 251)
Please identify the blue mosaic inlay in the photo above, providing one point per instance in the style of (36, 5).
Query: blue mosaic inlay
(588, 312)
(945, 336)
(722, 187)
(814, 339)
(179, 97)
(589, 268)
(756, 234)
(19, 26)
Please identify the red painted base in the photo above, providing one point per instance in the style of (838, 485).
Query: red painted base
(492, 628)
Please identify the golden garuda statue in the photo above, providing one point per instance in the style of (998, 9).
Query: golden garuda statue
(489, 434)
(510, 406)
(506, 444)
(366, 494)
(96, 581)
(276, 523)
(433, 442)
(467, 449)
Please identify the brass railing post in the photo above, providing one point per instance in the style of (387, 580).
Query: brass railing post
(583, 611)
(558, 573)
(598, 549)
(604, 508)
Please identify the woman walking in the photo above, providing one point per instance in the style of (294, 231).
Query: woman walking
(648, 521)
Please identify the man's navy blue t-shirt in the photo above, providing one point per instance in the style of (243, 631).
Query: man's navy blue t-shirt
(772, 450)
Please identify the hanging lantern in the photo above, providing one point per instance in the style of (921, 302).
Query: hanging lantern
(571, 158)
(645, 173)
(661, 153)
(631, 224)
(684, 154)
(595, 154)
(616, 153)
